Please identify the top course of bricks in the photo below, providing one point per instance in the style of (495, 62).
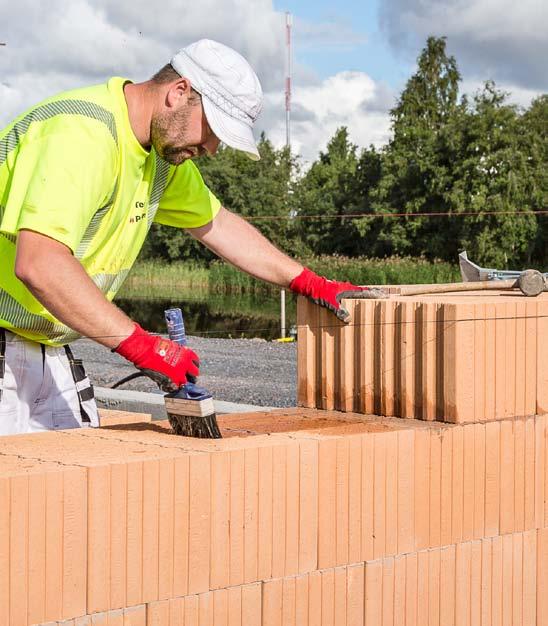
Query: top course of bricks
(458, 358)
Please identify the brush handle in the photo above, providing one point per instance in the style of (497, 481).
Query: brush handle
(175, 325)
(176, 331)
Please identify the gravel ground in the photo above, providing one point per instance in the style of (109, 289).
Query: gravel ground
(249, 371)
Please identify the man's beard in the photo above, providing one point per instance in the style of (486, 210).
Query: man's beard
(168, 133)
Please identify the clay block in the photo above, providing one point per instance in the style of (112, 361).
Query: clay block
(346, 391)
(367, 498)
(220, 520)
(118, 535)
(289, 602)
(166, 528)
(373, 592)
(251, 515)
(236, 535)
(265, 513)
(355, 595)
(342, 501)
(199, 523)
(405, 491)
(379, 503)
(251, 605)
(475, 584)
(99, 539)
(422, 489)
(391, 535)
(220, 607)
(301, 599)
(134, 556)
(364, 336)
(307, 330)
(341, 596)
(447, 585)
(399, 590)
(492, 479)
(387, 601)
(468, 482)
(151, 530)
(542, 577)
(314, 598)
(135, 616)
(308, 507)
(354, 500)
(327, 537)
(542, 358)
(507, 471)
(4, 549)
(328, 326)
(109, 417)
(463, 580)
(464, 357)
(411, 589)
(292, 512)
(497, 565)
(273, 602)
(158, 613)
(328, 597)
(530, 562)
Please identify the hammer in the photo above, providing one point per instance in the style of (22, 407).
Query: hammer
(530, 283)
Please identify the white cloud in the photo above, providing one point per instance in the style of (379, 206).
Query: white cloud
(54, 45)
(350, 99)
(503, 40)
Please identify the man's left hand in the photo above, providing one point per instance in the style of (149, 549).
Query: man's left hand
(329, 293)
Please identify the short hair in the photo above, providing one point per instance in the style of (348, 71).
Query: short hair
(165, 75)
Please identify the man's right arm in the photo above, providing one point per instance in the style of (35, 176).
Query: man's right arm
(57, 280)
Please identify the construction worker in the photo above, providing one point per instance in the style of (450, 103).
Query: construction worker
(82, 177)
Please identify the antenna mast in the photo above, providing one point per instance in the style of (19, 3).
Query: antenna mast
(288, 25)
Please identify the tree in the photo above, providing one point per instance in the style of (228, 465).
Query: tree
(492, 176)
(534, 134)
(326, 190)
(417, 160)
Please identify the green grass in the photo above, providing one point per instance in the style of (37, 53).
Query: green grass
(392, 271)
(158, 277)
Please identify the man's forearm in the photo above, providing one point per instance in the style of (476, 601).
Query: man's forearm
(59, 282)
(238, 242)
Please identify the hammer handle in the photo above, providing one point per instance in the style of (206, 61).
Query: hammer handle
(449, 287)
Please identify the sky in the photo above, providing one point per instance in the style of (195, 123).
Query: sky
(351, 58)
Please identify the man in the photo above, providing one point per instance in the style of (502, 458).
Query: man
(82, 177)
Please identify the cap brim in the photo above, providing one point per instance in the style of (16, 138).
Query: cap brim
(230, 131)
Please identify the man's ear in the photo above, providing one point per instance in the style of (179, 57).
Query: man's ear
(178, 93)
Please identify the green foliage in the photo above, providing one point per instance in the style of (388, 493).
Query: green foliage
(254, 189)
(480, 159)
(164, 278)
(324, 191)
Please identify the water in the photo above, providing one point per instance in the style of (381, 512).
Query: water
(211, 315)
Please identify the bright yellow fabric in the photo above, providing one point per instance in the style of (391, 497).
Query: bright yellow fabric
(71, 168)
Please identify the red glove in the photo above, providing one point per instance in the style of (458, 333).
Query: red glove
(329, 293)
(166, 362)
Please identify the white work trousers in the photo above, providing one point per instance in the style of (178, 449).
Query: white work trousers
(38, 390)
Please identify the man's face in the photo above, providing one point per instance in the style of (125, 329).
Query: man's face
(183, 133)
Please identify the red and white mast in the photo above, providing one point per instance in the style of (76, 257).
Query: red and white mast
(288, 24)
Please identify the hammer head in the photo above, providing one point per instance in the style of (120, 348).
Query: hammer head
(531, 283)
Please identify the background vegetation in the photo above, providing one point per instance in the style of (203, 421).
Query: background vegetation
(480, 159)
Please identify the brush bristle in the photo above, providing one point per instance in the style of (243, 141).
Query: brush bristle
(205, 427)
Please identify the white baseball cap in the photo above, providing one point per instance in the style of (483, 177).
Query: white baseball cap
(231, 92)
